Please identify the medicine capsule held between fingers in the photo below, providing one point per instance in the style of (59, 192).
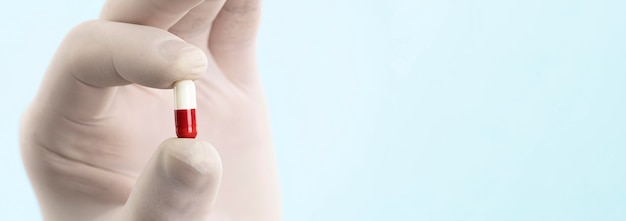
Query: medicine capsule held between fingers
(185, 112)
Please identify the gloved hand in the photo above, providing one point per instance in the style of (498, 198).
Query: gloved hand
(89, 139)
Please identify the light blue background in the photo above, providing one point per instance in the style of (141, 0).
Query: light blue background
(405, 109)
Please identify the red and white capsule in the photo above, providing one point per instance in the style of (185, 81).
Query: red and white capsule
(185, 112)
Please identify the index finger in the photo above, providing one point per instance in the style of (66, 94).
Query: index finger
(156, 13)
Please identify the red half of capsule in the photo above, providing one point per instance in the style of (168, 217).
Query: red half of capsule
(186, 123)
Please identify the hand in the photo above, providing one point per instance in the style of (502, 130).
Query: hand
(89, 139)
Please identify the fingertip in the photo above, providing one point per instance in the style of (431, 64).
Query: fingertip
(107, 54)
(191, 61)
(192, 163)
(183, 61)
(180, 182)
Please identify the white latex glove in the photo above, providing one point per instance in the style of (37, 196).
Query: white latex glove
(89, 139)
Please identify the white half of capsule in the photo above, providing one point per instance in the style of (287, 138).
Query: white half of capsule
(185, 94)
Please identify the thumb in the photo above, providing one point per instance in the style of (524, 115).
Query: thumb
(180, 182)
